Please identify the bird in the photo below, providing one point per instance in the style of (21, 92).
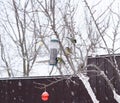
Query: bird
(68, 50)
(40, 43)
(72, 39)
(60, 60)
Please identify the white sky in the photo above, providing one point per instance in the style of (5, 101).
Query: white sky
(80, 20)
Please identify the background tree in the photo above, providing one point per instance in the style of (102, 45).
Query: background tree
(82, 32)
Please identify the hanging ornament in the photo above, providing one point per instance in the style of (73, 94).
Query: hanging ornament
(45, 96)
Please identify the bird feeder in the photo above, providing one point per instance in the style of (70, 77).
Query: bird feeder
(54, 46)
(45, 96)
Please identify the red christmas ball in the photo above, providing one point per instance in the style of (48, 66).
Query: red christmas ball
(45, 96)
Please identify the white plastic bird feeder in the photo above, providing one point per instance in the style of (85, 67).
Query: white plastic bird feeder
(54, 46)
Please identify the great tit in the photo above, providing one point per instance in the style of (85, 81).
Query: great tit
(60, 60)
(68, 51)
(72, 39)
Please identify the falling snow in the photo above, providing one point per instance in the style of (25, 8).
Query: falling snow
(72, 93)
(19, 84)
